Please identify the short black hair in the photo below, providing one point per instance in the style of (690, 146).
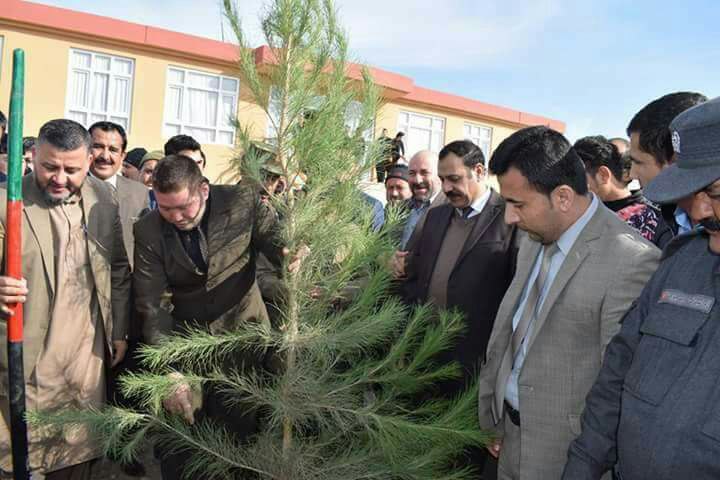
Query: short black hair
(652, 123)
(544, 157)
(178, 143)
(596, 152)
(65, 135)
(106, 126)
(470, 153)
(28, 144)
(175, 173)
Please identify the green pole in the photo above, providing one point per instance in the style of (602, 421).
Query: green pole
(13, 268)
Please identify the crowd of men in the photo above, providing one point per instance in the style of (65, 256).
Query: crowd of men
(587, 304)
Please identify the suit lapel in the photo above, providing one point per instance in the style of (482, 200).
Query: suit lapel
(485, 219)
(176, 248)
(437, 235)
(91, 220)
(527, 255)
(220, 213)
(38, 219)
(575, 258)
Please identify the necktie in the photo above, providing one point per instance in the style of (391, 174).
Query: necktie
(526, 319)
(465, 212)
(531, 305)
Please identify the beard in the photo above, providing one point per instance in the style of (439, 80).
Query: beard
(419, 186)
(54, 201)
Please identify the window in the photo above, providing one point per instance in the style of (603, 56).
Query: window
(480, 136)
(353, 115)
(99, 88)
(201, 105)
(422, 132)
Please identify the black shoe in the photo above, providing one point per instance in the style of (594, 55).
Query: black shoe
(134, 469)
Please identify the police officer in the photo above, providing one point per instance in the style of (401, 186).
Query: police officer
(654, 411)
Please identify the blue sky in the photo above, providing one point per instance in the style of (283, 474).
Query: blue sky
(592, 64)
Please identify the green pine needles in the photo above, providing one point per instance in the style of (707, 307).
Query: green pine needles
(345, 395)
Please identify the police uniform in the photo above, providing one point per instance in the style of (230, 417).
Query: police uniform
(654, 411)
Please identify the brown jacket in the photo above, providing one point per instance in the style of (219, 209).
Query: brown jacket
(239, 226)
(133, 199)
(108, 259)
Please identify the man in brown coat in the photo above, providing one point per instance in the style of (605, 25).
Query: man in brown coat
(200, 246)
(75, 294)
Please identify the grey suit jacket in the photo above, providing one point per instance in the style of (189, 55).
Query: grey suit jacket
(133, 199)
(603, 273)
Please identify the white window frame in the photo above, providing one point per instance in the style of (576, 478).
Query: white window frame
(434, 120)
(352, 115)
(469, 132)
(109, 114)
(182, 124)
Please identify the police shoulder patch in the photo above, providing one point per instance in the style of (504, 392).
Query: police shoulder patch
(693, 301)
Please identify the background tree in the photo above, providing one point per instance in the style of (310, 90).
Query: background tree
(350, 361)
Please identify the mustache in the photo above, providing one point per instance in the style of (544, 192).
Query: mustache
(103, 161)
(712, 224)
(417, 186)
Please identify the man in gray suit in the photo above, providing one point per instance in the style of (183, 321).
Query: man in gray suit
(109, 142)
(577, 274)
(653, 413)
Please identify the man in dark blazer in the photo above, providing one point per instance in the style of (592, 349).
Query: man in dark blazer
(464, 257)
(200, 245)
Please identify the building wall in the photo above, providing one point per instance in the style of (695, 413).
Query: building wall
(47, 62)
(46, 79)
(454, 122)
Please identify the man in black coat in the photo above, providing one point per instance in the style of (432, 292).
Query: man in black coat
(464, 259)
(465, 256)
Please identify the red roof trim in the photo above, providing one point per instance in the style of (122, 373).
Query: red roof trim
(87, 24)
(455, 102)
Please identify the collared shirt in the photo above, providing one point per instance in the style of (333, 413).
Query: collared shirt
(478, 205)
(683, 221)
(152, 201)
(417, 210)
(565, 244)
(112, 180)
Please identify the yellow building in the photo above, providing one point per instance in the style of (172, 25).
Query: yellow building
(158, 83)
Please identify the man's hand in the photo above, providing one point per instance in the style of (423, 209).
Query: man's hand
(119, 350)
(397, 264)
(180, 401)
(12, 290)
(297, 259)
(494, 448)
